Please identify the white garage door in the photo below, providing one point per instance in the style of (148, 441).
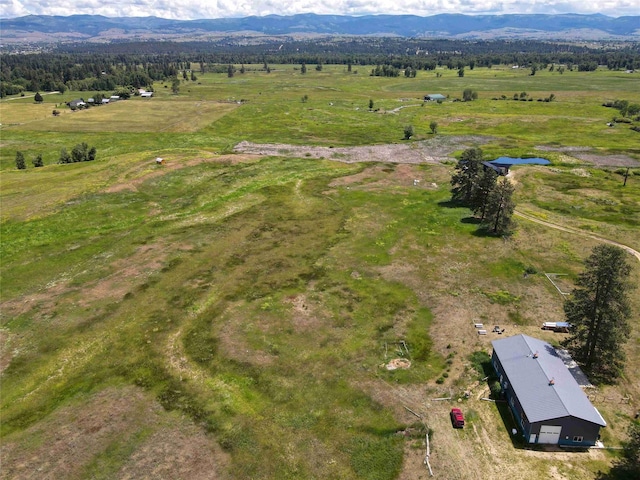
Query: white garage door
(549, 434)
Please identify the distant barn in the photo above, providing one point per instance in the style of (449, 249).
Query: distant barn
(434, 97)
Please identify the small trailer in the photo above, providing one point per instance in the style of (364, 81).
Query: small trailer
(561, 327)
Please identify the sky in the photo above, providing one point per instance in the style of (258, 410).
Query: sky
(198, 9)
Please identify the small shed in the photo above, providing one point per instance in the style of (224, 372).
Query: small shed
(77, 103)
(146, 94)
(434, 97)
(546, 400)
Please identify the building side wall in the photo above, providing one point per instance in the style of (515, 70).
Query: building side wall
(512, 398)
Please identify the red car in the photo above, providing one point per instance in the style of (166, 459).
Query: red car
(457, 419)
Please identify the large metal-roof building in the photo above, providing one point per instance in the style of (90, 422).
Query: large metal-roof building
(546, 400)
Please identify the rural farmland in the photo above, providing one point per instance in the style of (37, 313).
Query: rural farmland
(231, 311)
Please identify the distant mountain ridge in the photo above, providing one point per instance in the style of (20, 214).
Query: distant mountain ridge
(566, 26)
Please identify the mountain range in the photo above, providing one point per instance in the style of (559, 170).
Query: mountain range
(34, 28)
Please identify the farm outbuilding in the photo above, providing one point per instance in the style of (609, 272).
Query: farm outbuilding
(434, 97)
(546, 400)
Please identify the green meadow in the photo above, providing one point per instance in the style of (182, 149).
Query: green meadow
(255, 300)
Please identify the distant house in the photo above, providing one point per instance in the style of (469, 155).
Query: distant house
(91, 100)
(146, 94)
(77, 103)
(545, 398)
(434, 97)
(114, 98)
(105, 101)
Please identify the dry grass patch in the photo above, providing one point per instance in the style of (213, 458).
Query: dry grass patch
(128, 116)
(116, 433)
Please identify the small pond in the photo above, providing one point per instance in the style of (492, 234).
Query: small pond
(520, 161)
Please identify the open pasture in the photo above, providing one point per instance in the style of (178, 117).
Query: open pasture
(249, 305)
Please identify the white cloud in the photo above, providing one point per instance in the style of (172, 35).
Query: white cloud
(194, 9)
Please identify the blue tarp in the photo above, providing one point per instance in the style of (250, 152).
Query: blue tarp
(506, 161)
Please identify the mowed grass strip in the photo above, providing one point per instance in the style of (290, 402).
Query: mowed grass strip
(176, 114)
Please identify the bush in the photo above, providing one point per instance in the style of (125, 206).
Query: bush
(408, 132)
(481, 363)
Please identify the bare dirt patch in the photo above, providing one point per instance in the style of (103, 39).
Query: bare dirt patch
(437, 149)
(607, 160)
(233, 341)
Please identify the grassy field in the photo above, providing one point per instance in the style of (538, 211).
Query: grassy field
(230, 315)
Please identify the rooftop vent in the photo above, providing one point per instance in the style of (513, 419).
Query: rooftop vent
(535, 355)
(552, 382)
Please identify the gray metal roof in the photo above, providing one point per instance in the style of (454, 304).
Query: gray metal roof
(530, 377)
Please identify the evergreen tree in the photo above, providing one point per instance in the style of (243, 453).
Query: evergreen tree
(303, 68)
(465, 177)
(38, 98)
(20, 163)
(487, 180)
(230, 71)
(175, 85)
(598, 309)
(64, 156)
(499, 208)
(37, 162)
(434, 127)
(628, 466)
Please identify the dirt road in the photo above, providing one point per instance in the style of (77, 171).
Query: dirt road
(577, 231)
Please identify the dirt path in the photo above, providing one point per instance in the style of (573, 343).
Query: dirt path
(439, 148)
(577, 231)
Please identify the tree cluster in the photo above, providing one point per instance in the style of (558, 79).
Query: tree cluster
(479, 188)
(624, 107)
(21, 163)
(80, 153)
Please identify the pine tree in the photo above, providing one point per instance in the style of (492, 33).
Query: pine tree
(598, 310)
(20, 163)
(37, 162)
(465, 177)
(38, 98)
(499, 208)
(487, 181)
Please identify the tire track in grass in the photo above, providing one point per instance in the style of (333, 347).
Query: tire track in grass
(577, 231)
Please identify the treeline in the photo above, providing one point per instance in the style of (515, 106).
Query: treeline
(420, 54)
(86, 67)
(80, 153)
